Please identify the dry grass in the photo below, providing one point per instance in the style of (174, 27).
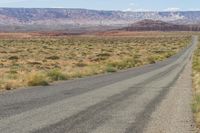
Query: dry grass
(196, 85)
(28, 60)
(37, 78)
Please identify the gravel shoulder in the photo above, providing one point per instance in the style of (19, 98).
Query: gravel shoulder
(174, 115)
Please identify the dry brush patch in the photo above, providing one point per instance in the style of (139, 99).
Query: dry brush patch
(40, 60)
(196, 85)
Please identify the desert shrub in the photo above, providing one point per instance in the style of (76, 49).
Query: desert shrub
(196, 61)
(97, 59)
(196, 104)
(10, 84)
(80, 56)
(169, 54)
(13, 58)
(126, 63)
(1, 86)
(103, 55)
(154, 58)
(110, 69)
(196, 85)
(196, 64)
(34, 63)
(36, 79)
(81, 64)
(53, 57)
(56, 74)
(13, 71)
(12, 76)
(1, 64)
(7, 86)
(77, 74)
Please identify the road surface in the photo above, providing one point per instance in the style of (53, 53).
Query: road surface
(123, 102)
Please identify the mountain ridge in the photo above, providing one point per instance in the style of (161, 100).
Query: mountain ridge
(69, 18)
(158, 25)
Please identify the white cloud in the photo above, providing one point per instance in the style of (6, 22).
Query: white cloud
(128, 9)
(172, 9)
(136, 10)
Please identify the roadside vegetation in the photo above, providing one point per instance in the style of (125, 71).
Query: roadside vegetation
(41, 60)
(196, 85)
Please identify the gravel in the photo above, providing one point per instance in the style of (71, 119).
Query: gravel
(174, 115)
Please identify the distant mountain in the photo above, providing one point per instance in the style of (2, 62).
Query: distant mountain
(19, 19)
(158, 25)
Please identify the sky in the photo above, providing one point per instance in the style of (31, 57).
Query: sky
(124, 5)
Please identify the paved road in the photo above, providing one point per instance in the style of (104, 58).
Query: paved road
(121, 102)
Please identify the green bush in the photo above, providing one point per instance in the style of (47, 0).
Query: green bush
(196, 104)
(56, 75)
(154, 58)
(196, 61)
(111, 69)
(126, 63)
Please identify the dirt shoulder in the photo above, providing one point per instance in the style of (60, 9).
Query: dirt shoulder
(174, 115)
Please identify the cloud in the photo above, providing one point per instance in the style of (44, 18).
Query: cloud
(136, 10)
(128, 9)
(172, 9)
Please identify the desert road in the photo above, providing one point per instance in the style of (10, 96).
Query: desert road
(151, 99)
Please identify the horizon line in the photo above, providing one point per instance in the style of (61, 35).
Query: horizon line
(102, 9)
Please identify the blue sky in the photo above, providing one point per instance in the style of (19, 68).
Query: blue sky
(125, 5)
